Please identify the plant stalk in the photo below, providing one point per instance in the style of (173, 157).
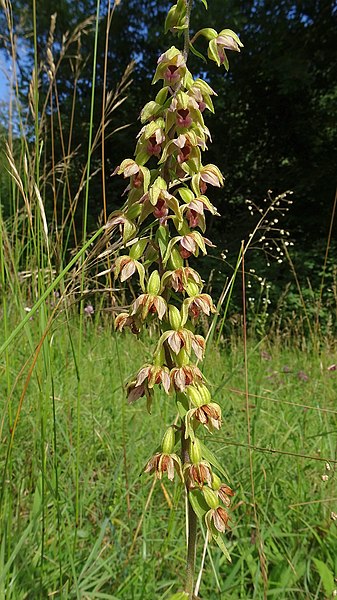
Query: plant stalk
(191, 527)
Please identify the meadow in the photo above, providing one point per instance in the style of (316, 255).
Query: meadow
(80, 520)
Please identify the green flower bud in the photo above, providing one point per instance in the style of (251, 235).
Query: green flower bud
(192, 288)
(168, 441)
(174, 317)
(204, 393)
(194, 395)
(137, 250)
(153, 284)
(159, 357)
(175, 261)
(182, 358)
(216, 481)
(211, 497)
(195, 452)
(133, 211)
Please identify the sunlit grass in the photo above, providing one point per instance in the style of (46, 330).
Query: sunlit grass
(293, 433)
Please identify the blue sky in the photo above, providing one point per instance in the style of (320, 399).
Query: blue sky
(4, 91)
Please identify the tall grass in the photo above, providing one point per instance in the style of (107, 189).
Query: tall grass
(77, 521)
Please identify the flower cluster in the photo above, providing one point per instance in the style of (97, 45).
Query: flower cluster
(162, 225)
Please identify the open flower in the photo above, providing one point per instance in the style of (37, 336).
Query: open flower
(218, 518)
(226, 40)
(171, 67)
(162, 463)
(189, 244)
(183, 338)
(200, 303)
(196, 475)
(125, 267)
(208, 415)
(125, 320)
(149, 303)
(179, 279)
(207, 175)
(154, 375)
(183, 376)
(126, 227)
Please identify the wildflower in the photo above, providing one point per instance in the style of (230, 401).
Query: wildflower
(201, 92)
(126, 226)
(223, 491)
(162, 463)
(125, 267)
(207, 175)
(208, 415)
(180, 278)
(154, 375)
(196, 475)
(226, 40)
(183, 338)
(89, 310)
(149, 303)
(138, 391)
(151, 138)
(126, 320)
(185, 375)
(217, 517)
(171, 67)
(189, 244)
(200, 303)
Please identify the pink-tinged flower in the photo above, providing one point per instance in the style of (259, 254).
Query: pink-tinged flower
(225, 493)
(218, 518)
(159, 202)
(126, 227)
(180, 278)
(89, 310)
(171, 67)
(201, 93)
(138, 391)
(196, 475)
(207, 175)
(226, 40)
(149, 303)
(183, 376)
(200, 303)
(162, 463)
(125, 267)
(126, 320)
(139, 175)
(208, 415)
(184, 118)
(189, 244)
(183, 338)
(198, 346)
(154, 375)
(154, 144)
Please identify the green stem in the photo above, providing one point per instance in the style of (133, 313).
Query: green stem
(187, 30)
(192, 528)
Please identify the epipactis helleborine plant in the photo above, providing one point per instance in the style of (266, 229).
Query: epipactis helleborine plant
(162, 224)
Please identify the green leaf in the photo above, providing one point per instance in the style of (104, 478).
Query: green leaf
(205, 3)
(186, 195)
(326, 576)
(179, 596)
(219, 540)
(162, 238)
(211, 458)
(198, 503)
(197, 53)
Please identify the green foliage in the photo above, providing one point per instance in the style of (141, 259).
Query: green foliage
(293, 502)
